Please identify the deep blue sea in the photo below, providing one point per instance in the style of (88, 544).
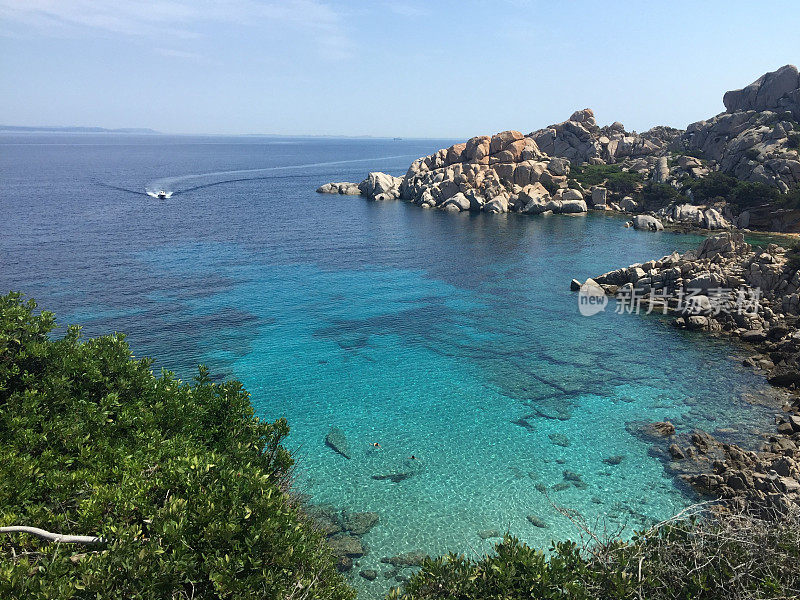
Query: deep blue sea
(428, 332)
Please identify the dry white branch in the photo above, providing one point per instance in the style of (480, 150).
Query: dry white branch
(54, 537)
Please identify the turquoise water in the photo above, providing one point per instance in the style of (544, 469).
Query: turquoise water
(453, 338)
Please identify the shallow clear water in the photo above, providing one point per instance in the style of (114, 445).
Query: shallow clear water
(428, 332)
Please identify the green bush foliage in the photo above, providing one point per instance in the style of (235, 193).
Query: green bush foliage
(735, 557)
(657, 195)
(719, 186)
(187, 486)
(612, 176)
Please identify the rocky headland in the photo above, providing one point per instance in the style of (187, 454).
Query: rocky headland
(739, 169)
(727, 286)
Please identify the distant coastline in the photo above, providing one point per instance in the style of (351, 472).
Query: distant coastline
(24, 129)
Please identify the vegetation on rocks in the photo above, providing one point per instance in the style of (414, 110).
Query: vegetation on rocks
(612, 176)
(186, 488)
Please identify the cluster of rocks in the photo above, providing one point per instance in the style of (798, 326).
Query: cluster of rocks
(766, 478)
(496, 174)
(728, 286)
(581, 141)
(344, 530)
(756, 139)
(724, 285)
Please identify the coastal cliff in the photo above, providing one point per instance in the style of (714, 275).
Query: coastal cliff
(739, 169)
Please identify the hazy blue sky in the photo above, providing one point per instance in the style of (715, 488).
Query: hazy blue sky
(429, 69)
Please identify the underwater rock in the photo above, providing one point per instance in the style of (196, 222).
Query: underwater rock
(369, 574)
(614, 460)
(359, 523)
(337, 441)
(652, 432)
(558, 413)
(407, 559)
(537, 522)
(344, 564)
(325, 517)
(489, 533)
(394, 477)
(572, 476)
(559, 439)
(525, 424)
(560, 487)
(346, 545)
(541, 488)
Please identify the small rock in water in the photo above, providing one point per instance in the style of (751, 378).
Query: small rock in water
(560, 487)
(369, 574)
(337, 441)
(516, 472)
(537, 522)
(561, 461)
(407, 559)
(395, 477)
(359, 523)
(614, 460)
(489, 533)
(533, 475)
(572, 476)
(344, 564)
(346, 545)
(596, 500)
(556, 413)
(522, 422)
(542, 488)
(559, 439)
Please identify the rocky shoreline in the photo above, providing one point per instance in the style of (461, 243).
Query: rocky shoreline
(576, 166)
(728, 287)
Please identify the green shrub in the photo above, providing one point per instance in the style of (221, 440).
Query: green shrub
(720, 186)
(612, 176)
(693, 153)
(187, 486)
(657, 195)
(736, 556)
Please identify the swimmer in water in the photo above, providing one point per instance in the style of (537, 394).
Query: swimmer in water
(375, 445)
(412, 457)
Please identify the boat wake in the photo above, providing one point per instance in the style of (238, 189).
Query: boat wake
(169, 186)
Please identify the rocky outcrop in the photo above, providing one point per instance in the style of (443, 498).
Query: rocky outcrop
(580, 140)
(778, 90)
(766, 478)
(647, 223)
(698, 216)
(506, 172)
(756, 138)
(728, 286)
(502, 173)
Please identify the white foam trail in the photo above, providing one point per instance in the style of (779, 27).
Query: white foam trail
(167, 183)
(155, 194)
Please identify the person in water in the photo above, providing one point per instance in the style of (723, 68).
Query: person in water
(375, 445)
(412, 457)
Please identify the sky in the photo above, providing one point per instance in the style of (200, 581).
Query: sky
(436, 69)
